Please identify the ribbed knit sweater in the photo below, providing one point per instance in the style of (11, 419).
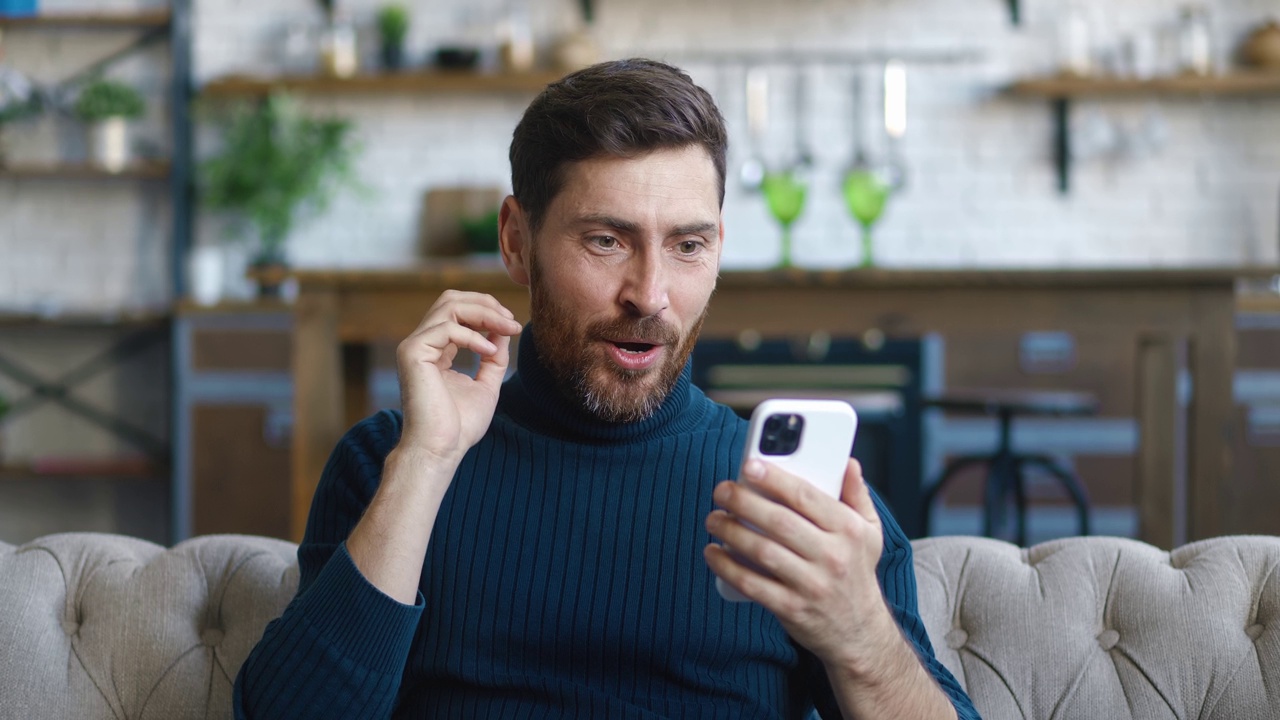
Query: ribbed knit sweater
(564, 578)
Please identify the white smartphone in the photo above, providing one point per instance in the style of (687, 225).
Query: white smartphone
(808, 438)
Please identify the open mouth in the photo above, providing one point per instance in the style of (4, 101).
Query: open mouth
(635, 348)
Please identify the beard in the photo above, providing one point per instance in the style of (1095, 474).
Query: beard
(585, 374)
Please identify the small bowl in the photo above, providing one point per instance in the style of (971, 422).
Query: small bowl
(457, 57)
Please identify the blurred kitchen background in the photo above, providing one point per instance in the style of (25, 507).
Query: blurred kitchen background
(146, 380)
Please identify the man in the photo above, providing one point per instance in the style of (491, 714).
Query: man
(539, 547)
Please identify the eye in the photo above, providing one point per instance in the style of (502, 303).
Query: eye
(689, 247)
(604, 242)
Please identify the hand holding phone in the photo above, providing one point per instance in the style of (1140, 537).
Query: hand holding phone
(811, 439)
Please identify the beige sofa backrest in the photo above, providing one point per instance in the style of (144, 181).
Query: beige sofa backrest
(103, 626)
(110, 627)
(1095, 628)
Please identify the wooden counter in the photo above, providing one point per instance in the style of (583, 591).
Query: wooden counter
(1175, 318)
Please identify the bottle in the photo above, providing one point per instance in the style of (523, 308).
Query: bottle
(1195, 50)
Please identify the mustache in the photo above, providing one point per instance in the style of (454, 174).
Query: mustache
(648, 330)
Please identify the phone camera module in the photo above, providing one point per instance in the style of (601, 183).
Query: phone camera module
(781, 434)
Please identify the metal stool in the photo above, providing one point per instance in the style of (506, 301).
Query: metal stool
(1005, 468)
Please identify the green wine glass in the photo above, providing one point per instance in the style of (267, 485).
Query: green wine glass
(784, 191)
(865, 193)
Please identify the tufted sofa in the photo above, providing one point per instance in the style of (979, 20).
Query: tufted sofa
(104, 626)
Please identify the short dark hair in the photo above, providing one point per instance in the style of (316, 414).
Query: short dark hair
(620, 108)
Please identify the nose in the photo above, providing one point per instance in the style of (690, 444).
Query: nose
(644, 288)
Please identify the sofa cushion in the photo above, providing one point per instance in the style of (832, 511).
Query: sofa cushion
(106, 626)
(1107, 627)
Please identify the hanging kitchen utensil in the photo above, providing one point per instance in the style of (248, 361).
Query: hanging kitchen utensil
(804, 157)
(895, 118)
(751, 174)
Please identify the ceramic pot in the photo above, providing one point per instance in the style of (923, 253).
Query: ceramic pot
(1262, 48)
(109, 143)
(392, 57)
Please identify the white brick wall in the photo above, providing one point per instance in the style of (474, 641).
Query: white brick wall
(982, 189)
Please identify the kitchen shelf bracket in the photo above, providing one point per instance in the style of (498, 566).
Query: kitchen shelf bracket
(1062, 142)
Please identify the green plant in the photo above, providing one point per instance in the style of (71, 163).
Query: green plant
(393, 24)
(102, 99)
(275, 165)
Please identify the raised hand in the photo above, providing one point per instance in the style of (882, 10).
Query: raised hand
(446, 411)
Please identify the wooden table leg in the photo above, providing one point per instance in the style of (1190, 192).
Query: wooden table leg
(1209, 429)
(356, 363)
(317, 399)
(1158, 490)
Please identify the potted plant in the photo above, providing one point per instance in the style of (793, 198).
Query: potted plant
(107, 107)
(276, 165)
(393, 25)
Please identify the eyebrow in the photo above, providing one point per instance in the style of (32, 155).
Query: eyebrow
(628, 226)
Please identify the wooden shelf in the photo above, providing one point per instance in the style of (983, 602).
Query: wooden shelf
(132, 468)
(102, 20)
(420, 81)
(84, 171)
(1061, 91)
(1239, 83)
(83, 319)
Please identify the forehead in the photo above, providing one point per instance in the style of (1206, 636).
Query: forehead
(661, 183)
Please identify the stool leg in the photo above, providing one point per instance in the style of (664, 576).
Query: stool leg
(1001, 481)
(1070, 482)
(1020, 497)
(950, 471)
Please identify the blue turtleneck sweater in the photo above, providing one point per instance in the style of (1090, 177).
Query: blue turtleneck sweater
(564, 578)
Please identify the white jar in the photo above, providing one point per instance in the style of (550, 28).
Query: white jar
(205, 271)
(1075, 43)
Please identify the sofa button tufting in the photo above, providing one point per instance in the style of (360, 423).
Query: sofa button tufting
(1254, 631)
(957, 638)
(1108, 639)
(211, 637)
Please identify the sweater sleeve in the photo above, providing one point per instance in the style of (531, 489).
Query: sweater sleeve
(897, 577)
(340, 647)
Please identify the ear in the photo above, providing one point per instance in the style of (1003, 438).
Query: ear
(514, 240)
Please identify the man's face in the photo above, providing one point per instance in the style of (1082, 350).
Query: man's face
(620, 275)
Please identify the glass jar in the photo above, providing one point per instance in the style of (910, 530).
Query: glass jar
(1195, 46)
(338, 55)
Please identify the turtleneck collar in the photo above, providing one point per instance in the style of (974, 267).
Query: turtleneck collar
(532, 398)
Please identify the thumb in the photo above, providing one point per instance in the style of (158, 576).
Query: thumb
(493, 368)
(855, 493)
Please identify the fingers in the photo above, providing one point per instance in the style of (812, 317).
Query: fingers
(468, 308)
(789, 528)
(856, 495)
(474, 321)
(761, 588)
(493, 368)
(791, 492)
(774, 557)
